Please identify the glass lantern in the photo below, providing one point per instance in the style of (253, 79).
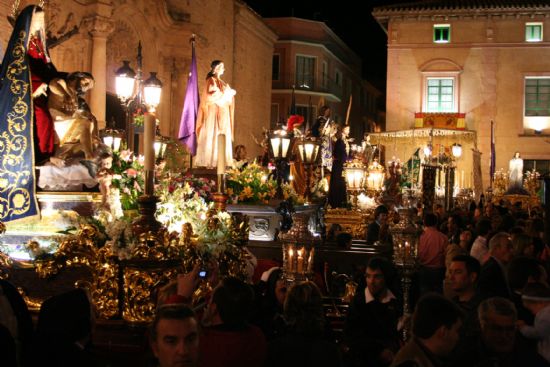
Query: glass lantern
(112, 138)
(152, 89)
(125, 81)
(375, 178)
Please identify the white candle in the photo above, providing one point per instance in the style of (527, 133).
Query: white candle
(310, 260)
(221, 154)
(300, 263)
(149, 141)
(149, 152)
(462, 178)
(290, 259)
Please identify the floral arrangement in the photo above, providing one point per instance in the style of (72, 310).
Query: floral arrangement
(180, 204)
(198, 185)
(127, 180)
(531, 182)
(500, 182)
(252, 184)
(138, 117)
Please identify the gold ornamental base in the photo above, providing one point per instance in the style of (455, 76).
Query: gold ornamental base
(354, 222)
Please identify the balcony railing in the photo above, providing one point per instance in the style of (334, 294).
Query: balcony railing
(326, 85)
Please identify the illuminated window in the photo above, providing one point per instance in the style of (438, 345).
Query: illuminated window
(537, 97)
(440, 95)
(533, 32)
(442, 33)
(305, 72)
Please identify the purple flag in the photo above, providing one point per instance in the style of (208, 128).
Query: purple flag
(190, 107)
(493, 157)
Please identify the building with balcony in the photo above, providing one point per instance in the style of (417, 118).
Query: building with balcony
(312, 60)
(480, 60)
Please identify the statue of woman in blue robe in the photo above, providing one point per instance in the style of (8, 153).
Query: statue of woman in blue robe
(25, 123)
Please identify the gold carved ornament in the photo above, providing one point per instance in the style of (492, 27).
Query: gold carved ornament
(154, 260)
(354, 222)
(13, 145)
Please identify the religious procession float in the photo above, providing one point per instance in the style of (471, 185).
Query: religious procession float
(125, 210)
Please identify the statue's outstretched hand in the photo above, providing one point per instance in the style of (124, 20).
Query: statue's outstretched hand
(40, 91)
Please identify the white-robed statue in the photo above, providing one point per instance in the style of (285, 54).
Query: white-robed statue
(515, 180)
(215, 117)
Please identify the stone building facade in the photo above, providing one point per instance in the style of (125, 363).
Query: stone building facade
(487, 59)
(109, 32)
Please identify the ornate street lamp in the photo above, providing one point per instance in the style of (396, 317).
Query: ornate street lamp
(135, 94)
(309, 152)
(152, 89)
(125, 81)
(280, 142)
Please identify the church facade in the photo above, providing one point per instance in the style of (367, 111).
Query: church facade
(109, 32)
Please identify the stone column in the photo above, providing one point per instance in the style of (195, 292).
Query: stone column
(99, 28)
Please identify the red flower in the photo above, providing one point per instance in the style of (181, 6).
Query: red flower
(293, 122)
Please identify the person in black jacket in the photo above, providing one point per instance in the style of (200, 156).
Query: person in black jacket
(492, 279)
(16, 318)
(371, 326)
(379, 230)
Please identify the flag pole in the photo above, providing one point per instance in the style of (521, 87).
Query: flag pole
(187, 132)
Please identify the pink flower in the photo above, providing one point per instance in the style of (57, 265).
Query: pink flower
(126, 155)
(131, 172)
(141, 159)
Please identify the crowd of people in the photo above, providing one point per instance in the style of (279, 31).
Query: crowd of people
(481, 299)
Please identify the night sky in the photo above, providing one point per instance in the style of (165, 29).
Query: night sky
(357, 28)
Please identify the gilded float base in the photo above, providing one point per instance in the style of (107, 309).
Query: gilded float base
(354, 222)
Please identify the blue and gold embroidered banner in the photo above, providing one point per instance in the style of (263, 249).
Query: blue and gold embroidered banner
(17, 181)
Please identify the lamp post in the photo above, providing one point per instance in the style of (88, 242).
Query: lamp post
(131, 91)
(134, 93)
(309, 152)
(280, 142)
